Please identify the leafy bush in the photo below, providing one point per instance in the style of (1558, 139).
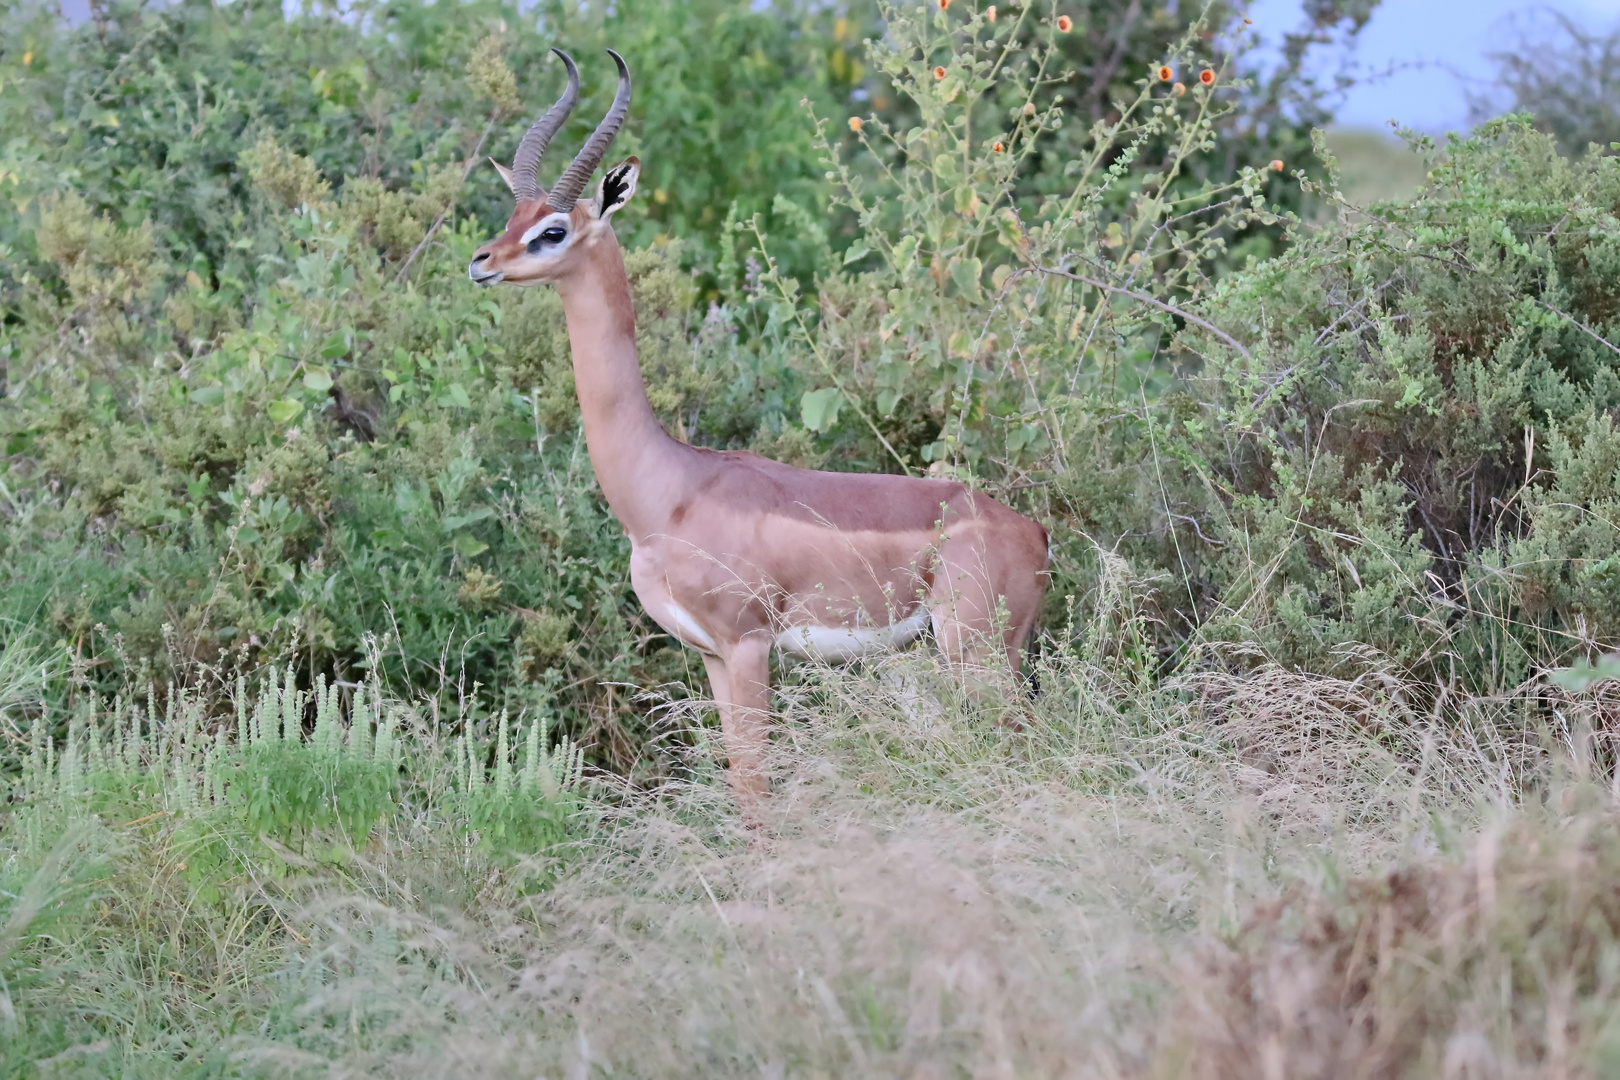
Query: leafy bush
(254, 411)
(1414, 451)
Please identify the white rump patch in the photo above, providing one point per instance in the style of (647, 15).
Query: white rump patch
(841, 644)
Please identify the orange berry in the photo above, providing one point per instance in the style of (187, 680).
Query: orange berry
(939, 73)
(1207, 77)
(1276, 165)
(1179, 89)
(997, 147)
(854, 123)
(1065, 24)
(1166, 74)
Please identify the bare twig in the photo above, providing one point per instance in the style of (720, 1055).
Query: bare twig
(472, 163)
(1151, 301)
(1581, 326)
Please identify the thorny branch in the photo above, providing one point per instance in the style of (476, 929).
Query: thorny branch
(1151, 301)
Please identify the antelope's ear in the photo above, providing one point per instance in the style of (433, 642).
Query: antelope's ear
(506, 174)
(618, 184)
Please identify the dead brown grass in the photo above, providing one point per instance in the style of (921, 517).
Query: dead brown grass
(1274, 876)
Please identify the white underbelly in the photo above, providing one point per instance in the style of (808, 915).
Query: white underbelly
(683, 628)
(841, 644)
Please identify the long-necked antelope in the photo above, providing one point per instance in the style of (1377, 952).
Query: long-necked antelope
(732, 553)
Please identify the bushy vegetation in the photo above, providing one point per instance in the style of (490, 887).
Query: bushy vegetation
(313, 615)
(253, 412)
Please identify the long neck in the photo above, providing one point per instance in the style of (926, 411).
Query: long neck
(636, 461)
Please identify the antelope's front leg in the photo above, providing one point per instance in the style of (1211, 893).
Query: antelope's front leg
(741, 681)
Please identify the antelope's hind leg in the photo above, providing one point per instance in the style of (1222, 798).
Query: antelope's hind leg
(984, 599)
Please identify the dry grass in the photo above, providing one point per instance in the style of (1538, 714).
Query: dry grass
(1272, 875)
(1276, 875)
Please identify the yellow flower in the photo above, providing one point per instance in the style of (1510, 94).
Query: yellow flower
(1207, 77)
(939, 73)
(1276, 165)
(1065, 24)
(1166, 73)
(854, 123)
(990, 13)
(997, 146)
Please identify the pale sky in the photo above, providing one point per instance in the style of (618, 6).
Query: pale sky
(1453, 33)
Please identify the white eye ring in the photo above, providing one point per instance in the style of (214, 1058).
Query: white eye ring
(550, 221)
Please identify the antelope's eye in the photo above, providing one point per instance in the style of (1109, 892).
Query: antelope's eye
(554, 235)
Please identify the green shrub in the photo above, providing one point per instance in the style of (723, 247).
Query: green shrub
(254, 410)
(1416, 450)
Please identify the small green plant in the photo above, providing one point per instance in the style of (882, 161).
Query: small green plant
(256, 787)
(523, 810)
(290, 786)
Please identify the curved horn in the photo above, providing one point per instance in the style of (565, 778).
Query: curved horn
(566, 190)
(526, 162)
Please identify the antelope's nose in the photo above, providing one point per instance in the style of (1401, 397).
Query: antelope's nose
(476, 271)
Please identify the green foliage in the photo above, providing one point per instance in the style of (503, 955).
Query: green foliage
(259, 794)
(253, 409)
(955, 324)
(288, 787)
(522, 810)
(1416, 453)
(155, 845)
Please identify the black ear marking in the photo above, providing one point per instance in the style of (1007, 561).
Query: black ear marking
(618, 185)
(615, 184)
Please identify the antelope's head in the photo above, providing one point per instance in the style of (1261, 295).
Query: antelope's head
(548, 229)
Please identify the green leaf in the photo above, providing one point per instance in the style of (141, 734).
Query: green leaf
(284, 411)
(856, 253)
(966, 273)
(1579, 677)
(317, 379)
(905, 252)
(1009, 231)
(468, 547)
(208, 395)
(450, 524)
(406, 499)
(335, 346)
(456, 395)
(819, 408)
